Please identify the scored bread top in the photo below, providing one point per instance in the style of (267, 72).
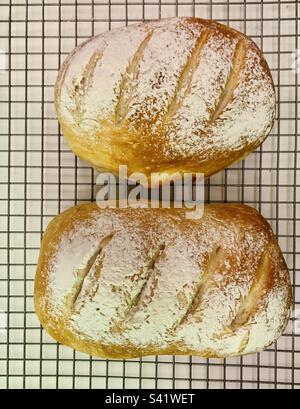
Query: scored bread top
(132, 282)
(179, 94)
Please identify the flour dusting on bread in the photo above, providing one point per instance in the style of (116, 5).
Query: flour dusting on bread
(179, 94)
(157, 283)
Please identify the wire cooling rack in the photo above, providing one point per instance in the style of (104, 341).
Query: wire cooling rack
(40, 177)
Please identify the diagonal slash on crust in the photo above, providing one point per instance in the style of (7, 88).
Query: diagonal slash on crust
(185, 78)
(250, 304)
(81, 275)
(145, 274)
(126, 86)
(226, 96)
(213, 262)
(82, 85)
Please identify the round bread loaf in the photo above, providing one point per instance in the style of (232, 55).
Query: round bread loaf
(175, 95)
(121, 283)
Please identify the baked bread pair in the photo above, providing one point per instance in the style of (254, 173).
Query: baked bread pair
(177, 95)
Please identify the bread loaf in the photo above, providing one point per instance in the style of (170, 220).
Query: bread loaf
(123, 283)
(176, 95)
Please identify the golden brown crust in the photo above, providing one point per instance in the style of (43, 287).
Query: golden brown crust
(183, 95)
(123, 283)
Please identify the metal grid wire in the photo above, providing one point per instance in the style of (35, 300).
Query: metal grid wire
(40, 177)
